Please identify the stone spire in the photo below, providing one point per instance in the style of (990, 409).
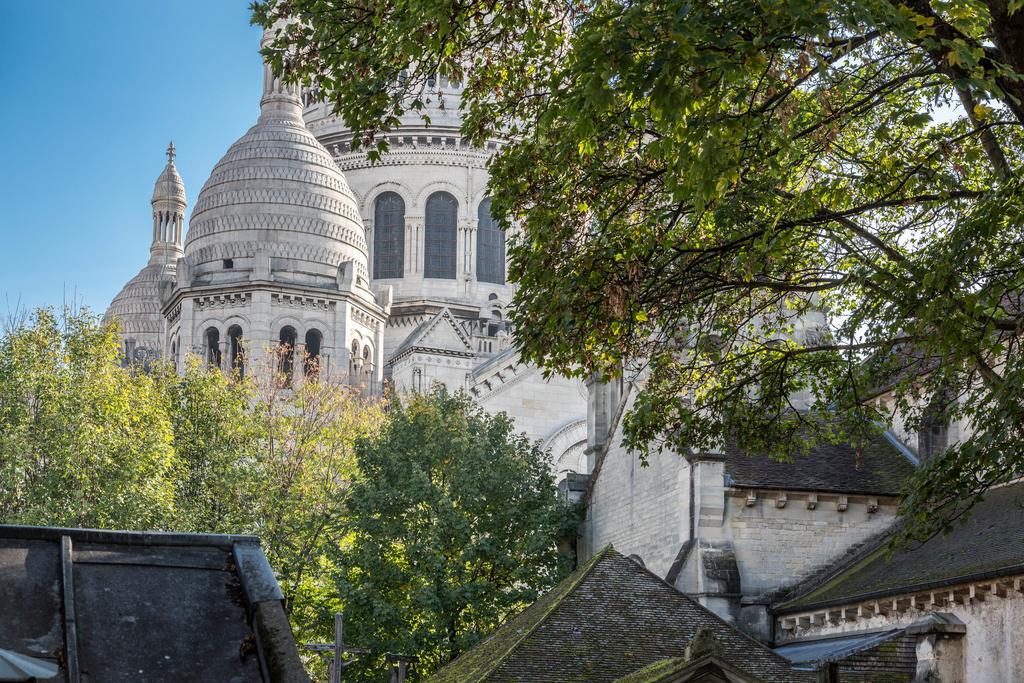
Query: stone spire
(168, 214)
(281, 100)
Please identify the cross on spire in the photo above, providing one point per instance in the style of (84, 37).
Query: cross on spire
(170, 153)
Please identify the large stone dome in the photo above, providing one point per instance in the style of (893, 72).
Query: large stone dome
(276, 192)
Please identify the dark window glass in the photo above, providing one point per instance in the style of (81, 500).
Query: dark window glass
(440, 236)
(388, 236)
(213, 346)
(490, 246)
(286, 350)
(314, 340)
(236, 351)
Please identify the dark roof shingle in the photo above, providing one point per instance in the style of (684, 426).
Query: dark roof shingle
(608, 619)
(881, 469)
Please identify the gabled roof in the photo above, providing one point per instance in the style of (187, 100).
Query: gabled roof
(119, 606)
(989, 544)
(880, 469)
(440, 334)
(705, 669)
(608, 619)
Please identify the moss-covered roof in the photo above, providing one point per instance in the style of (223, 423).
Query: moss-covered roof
(680, 669)
(608, 619)
(990, 543)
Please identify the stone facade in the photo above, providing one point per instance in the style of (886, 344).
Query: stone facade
(389, 271)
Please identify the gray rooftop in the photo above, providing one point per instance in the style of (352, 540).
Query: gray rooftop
(120, 606)
(610, 618)
(878, 467)
(988, 544)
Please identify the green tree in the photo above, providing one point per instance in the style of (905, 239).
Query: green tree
(87, 441)
(455, 522)
(83, 441)
(689, 177)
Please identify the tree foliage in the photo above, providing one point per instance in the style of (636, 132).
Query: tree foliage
(85, 441)
(689, 179)
(455, 522)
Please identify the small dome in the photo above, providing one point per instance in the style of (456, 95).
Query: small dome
(169, 185)
(137, 306)
(278, 192)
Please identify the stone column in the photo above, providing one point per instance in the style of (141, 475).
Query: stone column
(940, 648)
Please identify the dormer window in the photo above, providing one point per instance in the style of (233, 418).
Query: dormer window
(229, 264)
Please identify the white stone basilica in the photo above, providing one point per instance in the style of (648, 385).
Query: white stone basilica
(387, 271)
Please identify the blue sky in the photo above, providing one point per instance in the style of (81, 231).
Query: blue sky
(93, 92)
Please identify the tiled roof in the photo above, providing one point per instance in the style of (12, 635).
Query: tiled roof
(608, 619)
(120, 606)
(880, 470)
(682, 670)
(989, 544)
(888, 653)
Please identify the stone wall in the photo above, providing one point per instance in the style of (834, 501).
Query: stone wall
(642, 511)
(776, 546)
(992, 647)
(540, 407)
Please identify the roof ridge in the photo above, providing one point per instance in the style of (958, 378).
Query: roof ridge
(717, 618)
(571, 582)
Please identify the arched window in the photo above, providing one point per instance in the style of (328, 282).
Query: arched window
(314, 340)
(490, 246)
(236, 353)
(440, 236)
(213, 346)
(286, 351)
(367, 367)
(353, 362)
(388, 236)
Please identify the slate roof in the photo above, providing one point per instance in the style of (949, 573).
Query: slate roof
(882, 469)
(682, 670)
(608, 619)
(145, 607)
(891, 652)
(989, 544)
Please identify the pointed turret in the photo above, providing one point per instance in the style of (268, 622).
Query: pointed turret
(280, 99)
(168, 214)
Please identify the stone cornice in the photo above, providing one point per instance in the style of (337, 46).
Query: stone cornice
(237, 289)
(1003, 584)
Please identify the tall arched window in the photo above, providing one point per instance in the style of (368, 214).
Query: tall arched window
(353, 363)
(236, 353)
(440, 236)
(367, 367)
(213, 346)
(490, 246)
(286, 349)
(314, 340)
(388, 236)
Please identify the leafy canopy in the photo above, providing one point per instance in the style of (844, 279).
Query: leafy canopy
(692, 181)
(455, 521)
(87, 442)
